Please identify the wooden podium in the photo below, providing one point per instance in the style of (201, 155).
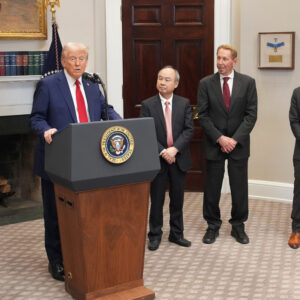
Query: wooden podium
(103, 209)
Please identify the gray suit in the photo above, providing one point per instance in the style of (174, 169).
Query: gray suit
(294, 116)
(182, 129)
(236, 123)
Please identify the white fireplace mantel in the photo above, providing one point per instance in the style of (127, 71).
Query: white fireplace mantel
(16, 94)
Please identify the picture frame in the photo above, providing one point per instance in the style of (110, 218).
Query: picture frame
(276, 50)
(23, 20)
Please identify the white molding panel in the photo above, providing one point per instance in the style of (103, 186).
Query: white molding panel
(270, 190)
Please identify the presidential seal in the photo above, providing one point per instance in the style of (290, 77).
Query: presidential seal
(117, 144)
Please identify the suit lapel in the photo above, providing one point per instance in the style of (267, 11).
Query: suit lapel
(160, 113)
(64, 88)
(218, 91)
(88, 94)
(175, 108)
(235, 89)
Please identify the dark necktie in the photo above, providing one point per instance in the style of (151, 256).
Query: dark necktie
(82, 113)
(168, 118)
(226, 92)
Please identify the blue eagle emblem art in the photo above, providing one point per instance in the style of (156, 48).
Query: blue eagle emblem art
(275, 45)
(117, 143)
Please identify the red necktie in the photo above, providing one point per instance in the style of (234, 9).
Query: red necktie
(168, 118)
(82, 114)
(226, 92)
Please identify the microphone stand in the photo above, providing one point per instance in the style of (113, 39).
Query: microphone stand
(95, 78)
(99, 81)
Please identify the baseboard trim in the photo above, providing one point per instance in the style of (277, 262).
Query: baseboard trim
(271, 190)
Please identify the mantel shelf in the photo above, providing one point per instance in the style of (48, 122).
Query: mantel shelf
(20, 78)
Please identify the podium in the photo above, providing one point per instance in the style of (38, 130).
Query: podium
(103, 208)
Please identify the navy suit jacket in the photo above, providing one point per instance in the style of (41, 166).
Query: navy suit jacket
(236, 123)
(182, 127)
(53, 107)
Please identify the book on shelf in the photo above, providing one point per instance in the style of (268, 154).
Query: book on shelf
(13, 63)
(2, 63)
(19, 63)
(25, 62)
(7, 62)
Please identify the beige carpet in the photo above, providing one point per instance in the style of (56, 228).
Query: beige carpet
(264, 269)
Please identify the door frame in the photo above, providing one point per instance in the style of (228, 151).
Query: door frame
(114, 59)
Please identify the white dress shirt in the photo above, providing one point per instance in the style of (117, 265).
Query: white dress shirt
(229, 82)
(72, 86)
(163, 102)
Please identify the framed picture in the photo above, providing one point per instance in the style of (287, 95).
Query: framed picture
(276, 50)
(23, 19)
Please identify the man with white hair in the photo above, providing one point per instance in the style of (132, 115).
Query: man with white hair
(59, 100)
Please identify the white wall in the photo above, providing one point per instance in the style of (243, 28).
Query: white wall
(272, 140)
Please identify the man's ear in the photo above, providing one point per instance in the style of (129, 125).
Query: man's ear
(235, 61)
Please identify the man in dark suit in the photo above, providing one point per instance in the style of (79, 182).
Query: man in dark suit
(59, 100)
(227, 119)
(174, 129)
(294, 116)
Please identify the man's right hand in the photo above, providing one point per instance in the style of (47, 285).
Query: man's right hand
(48, 135)
(227, 144)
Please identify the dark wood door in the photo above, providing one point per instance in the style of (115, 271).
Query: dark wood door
(168, 32)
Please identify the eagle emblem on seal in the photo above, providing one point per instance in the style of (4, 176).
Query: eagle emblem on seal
(117, 143)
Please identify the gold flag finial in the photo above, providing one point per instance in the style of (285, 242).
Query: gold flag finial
(52, 4)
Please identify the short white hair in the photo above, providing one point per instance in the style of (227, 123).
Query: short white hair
(177, 76)
(74, 46)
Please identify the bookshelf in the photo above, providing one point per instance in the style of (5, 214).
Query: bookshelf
(20, 78)
(22, 63)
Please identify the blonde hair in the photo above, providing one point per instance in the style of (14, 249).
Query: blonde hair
(228, 47)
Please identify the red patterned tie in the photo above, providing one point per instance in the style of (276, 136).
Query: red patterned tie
(168, 118)
(226, 92)
(82, 113)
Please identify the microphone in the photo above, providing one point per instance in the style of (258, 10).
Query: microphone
(88, 76)
(95, 78)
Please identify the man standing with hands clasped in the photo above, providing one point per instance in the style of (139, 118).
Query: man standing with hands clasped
(227, 102)
(174, 130)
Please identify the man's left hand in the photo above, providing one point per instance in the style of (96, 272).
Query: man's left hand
(169, 154)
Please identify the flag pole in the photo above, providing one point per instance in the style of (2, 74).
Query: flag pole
(53, 63)
(52, 4)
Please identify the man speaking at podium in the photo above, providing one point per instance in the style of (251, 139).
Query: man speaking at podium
(59, 100)
(174, 129)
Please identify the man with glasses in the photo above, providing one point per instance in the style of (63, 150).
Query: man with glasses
(59, 100)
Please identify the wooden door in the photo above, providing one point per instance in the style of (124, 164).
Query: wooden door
(168, 32)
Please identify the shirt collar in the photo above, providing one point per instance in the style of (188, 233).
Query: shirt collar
(164, 99)
(70, 79)
(231, 76)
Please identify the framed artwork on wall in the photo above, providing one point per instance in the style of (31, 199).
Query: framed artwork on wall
(276, 50)
(23, 20)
